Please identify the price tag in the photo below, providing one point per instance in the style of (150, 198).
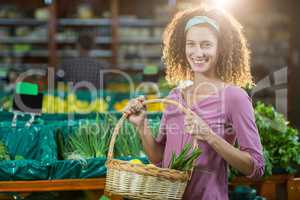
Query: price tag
(150, 73)
(27, 99)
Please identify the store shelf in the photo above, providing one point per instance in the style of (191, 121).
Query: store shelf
(99, 40)
(149, 35)
(91, 184)
(61, 22)
(22, 22)
(145, 40)
(84, 22)
(53, 185)
(24, 65)
(22, 40)
(61, 53)
(123, 22)
(137, 66)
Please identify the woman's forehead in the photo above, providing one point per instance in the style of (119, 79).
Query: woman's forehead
(201, 33)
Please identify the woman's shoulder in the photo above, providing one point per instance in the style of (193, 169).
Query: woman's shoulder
(236, 96)
(174, 95)
(234, 92)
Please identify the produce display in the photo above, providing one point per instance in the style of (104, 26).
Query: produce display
(71, 104)
(3, 152)
(154, 107)
(91, 140)
(280, 141)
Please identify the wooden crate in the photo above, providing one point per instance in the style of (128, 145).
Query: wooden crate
(293, 188)
(94, 186)
(272, 188)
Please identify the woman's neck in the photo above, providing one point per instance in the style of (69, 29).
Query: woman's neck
(201, 78)
(205, 85)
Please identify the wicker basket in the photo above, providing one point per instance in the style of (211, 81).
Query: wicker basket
(138, 181)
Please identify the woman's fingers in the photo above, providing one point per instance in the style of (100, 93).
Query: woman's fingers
(189, 117)
(141, 99)
(134, 106)
(188, 128)
(188, 124)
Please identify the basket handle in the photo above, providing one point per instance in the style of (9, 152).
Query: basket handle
(124, 116)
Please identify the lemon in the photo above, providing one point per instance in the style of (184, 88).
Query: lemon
(136, 161)
(151, 165)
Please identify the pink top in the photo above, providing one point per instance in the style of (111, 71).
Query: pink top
(229, 113)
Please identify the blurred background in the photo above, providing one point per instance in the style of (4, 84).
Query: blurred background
(127, 35)
(54, 44)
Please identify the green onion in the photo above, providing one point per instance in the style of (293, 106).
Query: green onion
(184, 161)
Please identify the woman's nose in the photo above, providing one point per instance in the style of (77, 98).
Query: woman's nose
(199, 52)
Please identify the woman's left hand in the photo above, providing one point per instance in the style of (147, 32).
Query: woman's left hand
(196, 127)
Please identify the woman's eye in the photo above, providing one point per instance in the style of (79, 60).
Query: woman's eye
(189, 44)
(206, 45)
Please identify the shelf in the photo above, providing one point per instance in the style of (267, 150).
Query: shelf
(61, 53)
(53, 185)
(85, 22)
(123, 22)
(22, 40)
(137, 66)
(94, 186)
(99, 40)
(61, 22)
(108, 40)
(24, 65)
(141, 55)
(22, 22)
(78, 24)
(146, 40)
(33, 40)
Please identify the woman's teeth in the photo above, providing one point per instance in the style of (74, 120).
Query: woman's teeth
(201, 61)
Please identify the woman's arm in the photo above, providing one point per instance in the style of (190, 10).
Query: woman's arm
(238, 159)
(248, 159)
(136, 114)
(153, 149)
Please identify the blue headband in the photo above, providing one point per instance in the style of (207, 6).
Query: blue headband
(201, 20)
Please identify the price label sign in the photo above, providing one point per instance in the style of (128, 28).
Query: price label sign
(150, 73)
(27, 99)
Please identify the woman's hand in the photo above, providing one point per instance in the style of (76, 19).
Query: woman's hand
(196, 127)
(136, 111)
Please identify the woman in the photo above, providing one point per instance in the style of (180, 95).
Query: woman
(207, 46)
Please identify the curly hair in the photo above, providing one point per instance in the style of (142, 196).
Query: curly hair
(233, 61)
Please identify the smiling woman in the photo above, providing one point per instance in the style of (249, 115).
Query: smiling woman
(207, 47)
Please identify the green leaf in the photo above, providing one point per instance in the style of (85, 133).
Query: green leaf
(280, 141)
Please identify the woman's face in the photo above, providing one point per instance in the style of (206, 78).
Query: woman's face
(201, 49)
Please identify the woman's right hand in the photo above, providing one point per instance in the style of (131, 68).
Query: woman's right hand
(136, 111)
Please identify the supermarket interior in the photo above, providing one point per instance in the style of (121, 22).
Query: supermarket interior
(69, 69)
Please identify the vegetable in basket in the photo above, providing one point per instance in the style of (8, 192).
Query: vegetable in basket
(184, 161)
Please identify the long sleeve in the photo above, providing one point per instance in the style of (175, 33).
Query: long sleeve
(241, 115)
(161, 137)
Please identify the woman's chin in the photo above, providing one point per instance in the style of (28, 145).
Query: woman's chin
(201, 69)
